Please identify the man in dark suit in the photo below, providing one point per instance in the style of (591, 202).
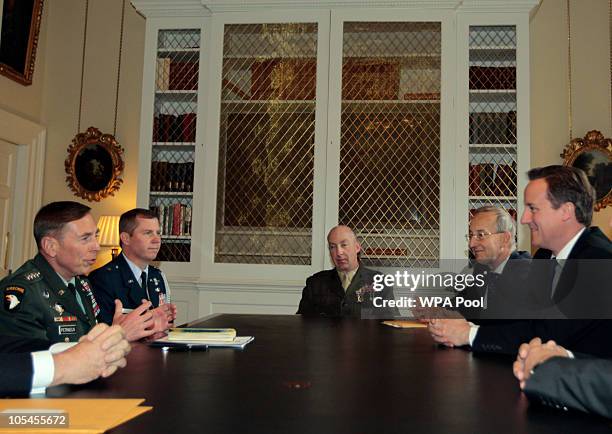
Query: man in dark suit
(558, 210)
(552, 376)
(100, 353)
(346, 290)
(129, 279)
(491, 240)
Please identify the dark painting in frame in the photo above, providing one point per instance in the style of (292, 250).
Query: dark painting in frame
(19, 38)
(94, 165)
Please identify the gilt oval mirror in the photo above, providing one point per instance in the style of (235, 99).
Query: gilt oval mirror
(593, 154)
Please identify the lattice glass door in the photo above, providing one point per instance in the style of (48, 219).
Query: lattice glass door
(492, 117)
(173, 139)
(390, 141)
(266, 145)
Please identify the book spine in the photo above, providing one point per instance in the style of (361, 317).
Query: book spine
(176, 219)
(188, 221)
(162, 81)
(162, 218)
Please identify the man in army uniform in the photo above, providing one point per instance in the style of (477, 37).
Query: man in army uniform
(47, 297)
(130, 277)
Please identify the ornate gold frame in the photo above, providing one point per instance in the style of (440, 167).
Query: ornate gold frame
(10, 70)
(592, 141)
(108, 143)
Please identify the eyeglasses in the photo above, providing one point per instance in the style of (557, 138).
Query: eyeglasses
(480, 235)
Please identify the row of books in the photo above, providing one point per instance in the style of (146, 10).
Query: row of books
(493, 128)
(285, 79)
(175, 75)
(171, 177)
(370, 80)
(492, 77)
(489, 179)
(174, 128)
(174, 219)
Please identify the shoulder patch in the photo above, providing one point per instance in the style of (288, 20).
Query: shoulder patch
(14, 288)
(13, 295)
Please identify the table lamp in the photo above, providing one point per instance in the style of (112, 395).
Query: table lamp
(108, 225)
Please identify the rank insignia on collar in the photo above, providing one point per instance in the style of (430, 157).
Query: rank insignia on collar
(58, 308)
(45, 293)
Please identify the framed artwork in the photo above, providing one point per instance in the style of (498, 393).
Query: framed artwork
(19, 38)
(94, 165)
(593, 154)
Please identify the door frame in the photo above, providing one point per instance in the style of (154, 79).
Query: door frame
(30, 139)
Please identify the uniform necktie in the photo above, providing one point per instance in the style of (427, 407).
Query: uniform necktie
(74, 292)
(346, 281)
(144, 285)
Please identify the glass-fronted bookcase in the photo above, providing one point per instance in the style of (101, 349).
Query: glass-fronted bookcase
(263, 129)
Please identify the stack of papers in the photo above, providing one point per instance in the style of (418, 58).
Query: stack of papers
(84, 415)
(238, 342)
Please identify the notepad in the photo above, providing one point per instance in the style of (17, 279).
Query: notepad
(202, 334)
(405, 324)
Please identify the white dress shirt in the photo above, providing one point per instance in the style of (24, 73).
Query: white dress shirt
(44, 367)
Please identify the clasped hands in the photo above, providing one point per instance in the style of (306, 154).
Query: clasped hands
(144, 322)
(98, 354)
(446, 327)
(533, 354)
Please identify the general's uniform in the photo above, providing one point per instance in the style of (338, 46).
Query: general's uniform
(116, 280)
(37, 304)
(324, 295)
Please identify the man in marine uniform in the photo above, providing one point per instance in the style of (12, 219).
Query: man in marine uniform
(347, 289)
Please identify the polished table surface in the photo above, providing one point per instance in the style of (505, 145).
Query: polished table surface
(326, 376)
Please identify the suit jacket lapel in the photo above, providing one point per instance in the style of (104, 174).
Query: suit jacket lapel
(570, 268)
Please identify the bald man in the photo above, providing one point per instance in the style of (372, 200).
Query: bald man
(346, 290)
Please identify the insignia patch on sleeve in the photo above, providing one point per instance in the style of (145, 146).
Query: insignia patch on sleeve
(12, 297)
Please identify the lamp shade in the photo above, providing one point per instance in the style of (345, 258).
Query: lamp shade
(108, 225)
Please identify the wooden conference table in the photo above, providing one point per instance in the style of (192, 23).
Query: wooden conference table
(326, 376)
